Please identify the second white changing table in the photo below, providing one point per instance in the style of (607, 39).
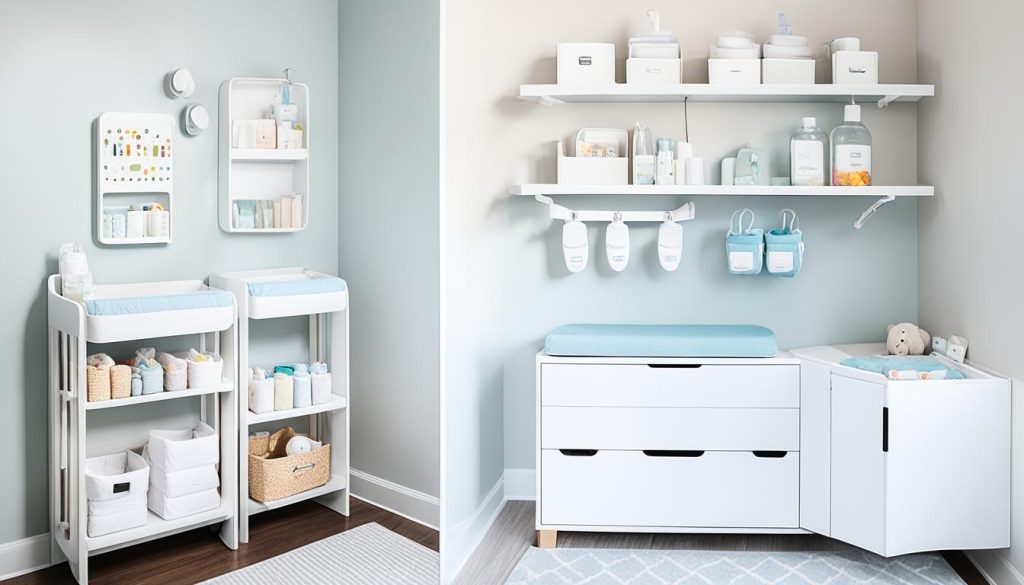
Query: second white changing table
(282, 292)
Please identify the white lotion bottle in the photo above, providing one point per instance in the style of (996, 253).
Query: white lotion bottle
(807, 155)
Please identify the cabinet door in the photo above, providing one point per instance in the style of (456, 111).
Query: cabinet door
(858, 463)
(815, 442)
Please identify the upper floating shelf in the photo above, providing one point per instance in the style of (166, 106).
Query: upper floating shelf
(534, 189)
(882, 94)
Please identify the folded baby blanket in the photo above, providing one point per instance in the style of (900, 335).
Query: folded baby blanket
(906, 367)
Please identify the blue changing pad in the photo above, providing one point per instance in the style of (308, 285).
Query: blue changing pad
(882, 364)
(203, 299)
(724, 341)
(299, 286)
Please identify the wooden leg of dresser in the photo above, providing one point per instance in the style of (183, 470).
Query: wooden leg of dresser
(547, 538)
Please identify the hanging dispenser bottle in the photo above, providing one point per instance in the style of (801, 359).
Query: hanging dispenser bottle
(616, 240)
(575, 248)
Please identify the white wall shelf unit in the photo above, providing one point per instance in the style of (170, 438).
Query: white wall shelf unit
(71, 329)
(328, 314)
(882, 94)
(261, 174)
(534, 189)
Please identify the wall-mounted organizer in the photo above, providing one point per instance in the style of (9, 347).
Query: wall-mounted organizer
(134, 178)
(73, 483)
(257, 176)
(291, 292)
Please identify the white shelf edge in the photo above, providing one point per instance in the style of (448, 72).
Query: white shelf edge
(157, 527)
(336, 483)
(269, 154)
(224, 386)
(267, 230)
(550, 94)
(534, 189)
(132, 241)
(337, 403)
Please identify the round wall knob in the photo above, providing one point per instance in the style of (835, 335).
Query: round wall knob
(197, 119)
(180, 83)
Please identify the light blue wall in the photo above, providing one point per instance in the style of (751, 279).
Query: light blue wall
(62, 64)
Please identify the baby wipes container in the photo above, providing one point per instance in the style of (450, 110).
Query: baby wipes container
(784, 246)
(744, 247)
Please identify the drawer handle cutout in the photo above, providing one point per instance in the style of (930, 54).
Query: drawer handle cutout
(578, 452)
(675, 366)
(653, 453)
(770, 454)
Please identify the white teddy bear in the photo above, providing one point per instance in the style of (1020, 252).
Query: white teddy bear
(907, 339)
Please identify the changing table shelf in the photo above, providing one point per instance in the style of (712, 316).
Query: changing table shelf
(225, 386)
(336, 483)
(157, 527)
(534, 189)
(337, 403)
(269, 154)
(883, 94)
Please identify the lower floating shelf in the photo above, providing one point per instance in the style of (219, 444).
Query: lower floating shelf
(224, 386)
(336, 403)
(534, 189)
(157, 527)
(337, 482)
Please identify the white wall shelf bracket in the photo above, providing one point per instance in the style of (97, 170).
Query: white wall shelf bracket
(885, 101)
(871, 210)
(684, 213)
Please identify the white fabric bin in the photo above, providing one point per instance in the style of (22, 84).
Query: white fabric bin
(174, 484)
(205, 374)
(302, 390)
(181, 506)
(261, 395)
(322, 388)
(175, 371)
(116, 515)
(115, 477)
(184, 449)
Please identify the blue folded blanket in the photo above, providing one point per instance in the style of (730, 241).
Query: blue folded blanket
(883, 364)
(300, 286)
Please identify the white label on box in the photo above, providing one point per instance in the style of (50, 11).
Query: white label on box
(741, 261)
(853, 157)
(780, 261)
(808, 158)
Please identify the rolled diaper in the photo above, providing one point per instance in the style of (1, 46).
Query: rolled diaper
(321, 383)
(283, 391)
(175, 371)
(302, 387)
(261, 392)
(120, 381)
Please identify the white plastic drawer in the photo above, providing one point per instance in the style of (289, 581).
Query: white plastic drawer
(696, 489)
(747, 386)
(718, 429)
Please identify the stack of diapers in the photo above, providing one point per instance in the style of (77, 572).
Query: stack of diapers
(150, 371)
(183, 480)
(321, 383)
(261, 391)
(284, 388)
(204, 369)
(115, 488)
(302, 386)
(175, 371)
(105, 380)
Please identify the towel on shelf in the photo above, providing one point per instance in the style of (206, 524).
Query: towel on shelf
(904, 367)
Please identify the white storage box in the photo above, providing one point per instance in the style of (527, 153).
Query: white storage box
(787, 71)
(174, 484)
(734, 71)
(184, 449)
(117, 476)
(116, 515)
(854, 67)
(654, 71)
(322, 388)
(174, 508)
(205, 374)
(261, 395)
(586, 63)
(175, 371)
(588, 170)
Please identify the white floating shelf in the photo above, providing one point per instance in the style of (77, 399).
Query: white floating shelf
(268, 154)
(224, 386)
(337, 482)
(534, 189)
(336, 403)
(157, 527)
(883, 94)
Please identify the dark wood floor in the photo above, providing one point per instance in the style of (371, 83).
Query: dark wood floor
(198, 555)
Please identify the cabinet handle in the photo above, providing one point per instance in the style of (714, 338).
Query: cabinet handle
(675, 366)
(653, 453)
(578, 452)
(885, 429)
(770, 454)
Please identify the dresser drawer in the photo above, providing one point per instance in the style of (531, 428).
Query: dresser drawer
(750, 386)
(634, 488)
(713, 429)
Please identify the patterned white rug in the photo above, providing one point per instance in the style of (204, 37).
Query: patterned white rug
(656, 567)
(369, 554)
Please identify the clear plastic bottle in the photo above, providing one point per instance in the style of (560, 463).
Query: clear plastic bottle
(807, 155)
(851, 151)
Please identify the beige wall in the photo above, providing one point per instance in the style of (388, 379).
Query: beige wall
(971, 277)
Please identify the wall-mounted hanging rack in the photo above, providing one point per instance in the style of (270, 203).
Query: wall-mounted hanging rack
(556, 211)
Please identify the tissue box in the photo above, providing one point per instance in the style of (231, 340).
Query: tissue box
(734, 71)
(586, 63)
(855, 67)
(787, 71)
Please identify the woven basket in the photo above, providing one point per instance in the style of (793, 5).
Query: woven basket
(120, 381)
(97, 382)
(274, 475)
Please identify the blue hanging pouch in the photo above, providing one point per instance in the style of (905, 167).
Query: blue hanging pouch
(744, 248)
(785, 246)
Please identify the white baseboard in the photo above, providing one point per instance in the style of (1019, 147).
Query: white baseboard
(520, 484)
(995, 567)
(407, 502)
(461, 541)
(24, 556)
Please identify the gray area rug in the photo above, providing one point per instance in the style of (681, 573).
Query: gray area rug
(643, 567)
(366, 555)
